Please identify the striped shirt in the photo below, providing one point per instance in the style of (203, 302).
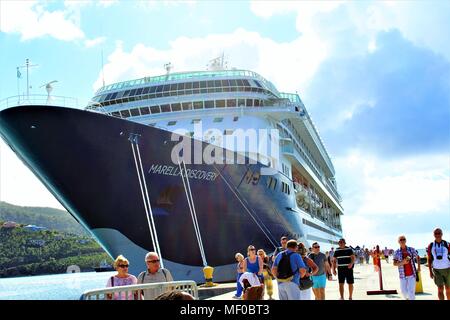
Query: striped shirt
(343, 256)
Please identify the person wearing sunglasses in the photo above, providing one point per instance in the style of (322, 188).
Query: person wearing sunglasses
(253, 263)
(154, 273)
(319, 279)
(439, 263)
(122, 278)
(404, 260)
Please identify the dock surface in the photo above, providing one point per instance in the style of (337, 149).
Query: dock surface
(366, 279)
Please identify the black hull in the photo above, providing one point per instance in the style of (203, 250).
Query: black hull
(85, 159)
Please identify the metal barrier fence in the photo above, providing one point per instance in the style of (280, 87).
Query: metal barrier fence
(132, 292)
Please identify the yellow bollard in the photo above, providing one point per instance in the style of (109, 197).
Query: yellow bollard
(208, 273)
(419, 288)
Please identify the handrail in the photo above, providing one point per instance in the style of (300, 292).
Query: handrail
(157, 288)
(38, 99)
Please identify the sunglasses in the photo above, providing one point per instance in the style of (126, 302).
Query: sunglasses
(316, 247)
(437, 233)
(123, 266)
(402, 239)
(152, 261)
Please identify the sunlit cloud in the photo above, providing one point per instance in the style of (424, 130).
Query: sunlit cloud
(31, 20)
(279, 62)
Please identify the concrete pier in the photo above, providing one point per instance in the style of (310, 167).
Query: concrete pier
(366, 279)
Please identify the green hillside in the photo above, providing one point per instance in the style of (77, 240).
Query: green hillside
(65, 243)
(50, 218)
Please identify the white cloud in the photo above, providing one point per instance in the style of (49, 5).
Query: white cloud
(425, 24)
(31, 20)
(288, 65)
(108, 3)
(94, 42)
(414, 185)
(371, 231)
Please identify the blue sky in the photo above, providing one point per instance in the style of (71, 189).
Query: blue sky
(374, 75)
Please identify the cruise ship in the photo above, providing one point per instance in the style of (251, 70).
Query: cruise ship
(116, 165)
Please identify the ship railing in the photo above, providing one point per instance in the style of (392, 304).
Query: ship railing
(38, 99)
(133, 291)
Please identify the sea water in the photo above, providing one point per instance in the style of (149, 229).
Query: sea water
(68, 286)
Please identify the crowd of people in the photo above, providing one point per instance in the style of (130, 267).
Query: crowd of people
(301, 273)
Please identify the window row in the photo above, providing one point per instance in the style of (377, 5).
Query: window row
(209, 104)
(182, 88)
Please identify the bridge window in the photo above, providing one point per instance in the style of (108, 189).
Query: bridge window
(209, 104)
(187, 106)
(145, 110)
(198, 105)
(165, 108)
(220, 103)
(154, 109)
(241, 102)
(125, 113)
(231, 103)
(249, 103)
(256, 103)
(135, 112)
(176, 106)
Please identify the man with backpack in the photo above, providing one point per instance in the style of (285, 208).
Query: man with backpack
(439, 263)
(288, 268)
(153, 274)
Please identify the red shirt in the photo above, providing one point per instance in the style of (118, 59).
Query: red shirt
(407, 267)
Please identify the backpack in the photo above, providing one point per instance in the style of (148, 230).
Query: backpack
(430, 246)
(284, 266)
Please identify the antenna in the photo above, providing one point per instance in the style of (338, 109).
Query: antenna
(218, 63)
(168, 66)
(103, 72)
(28, 66)
(49, 88)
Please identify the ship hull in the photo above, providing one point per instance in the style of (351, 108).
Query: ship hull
(86, 161)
